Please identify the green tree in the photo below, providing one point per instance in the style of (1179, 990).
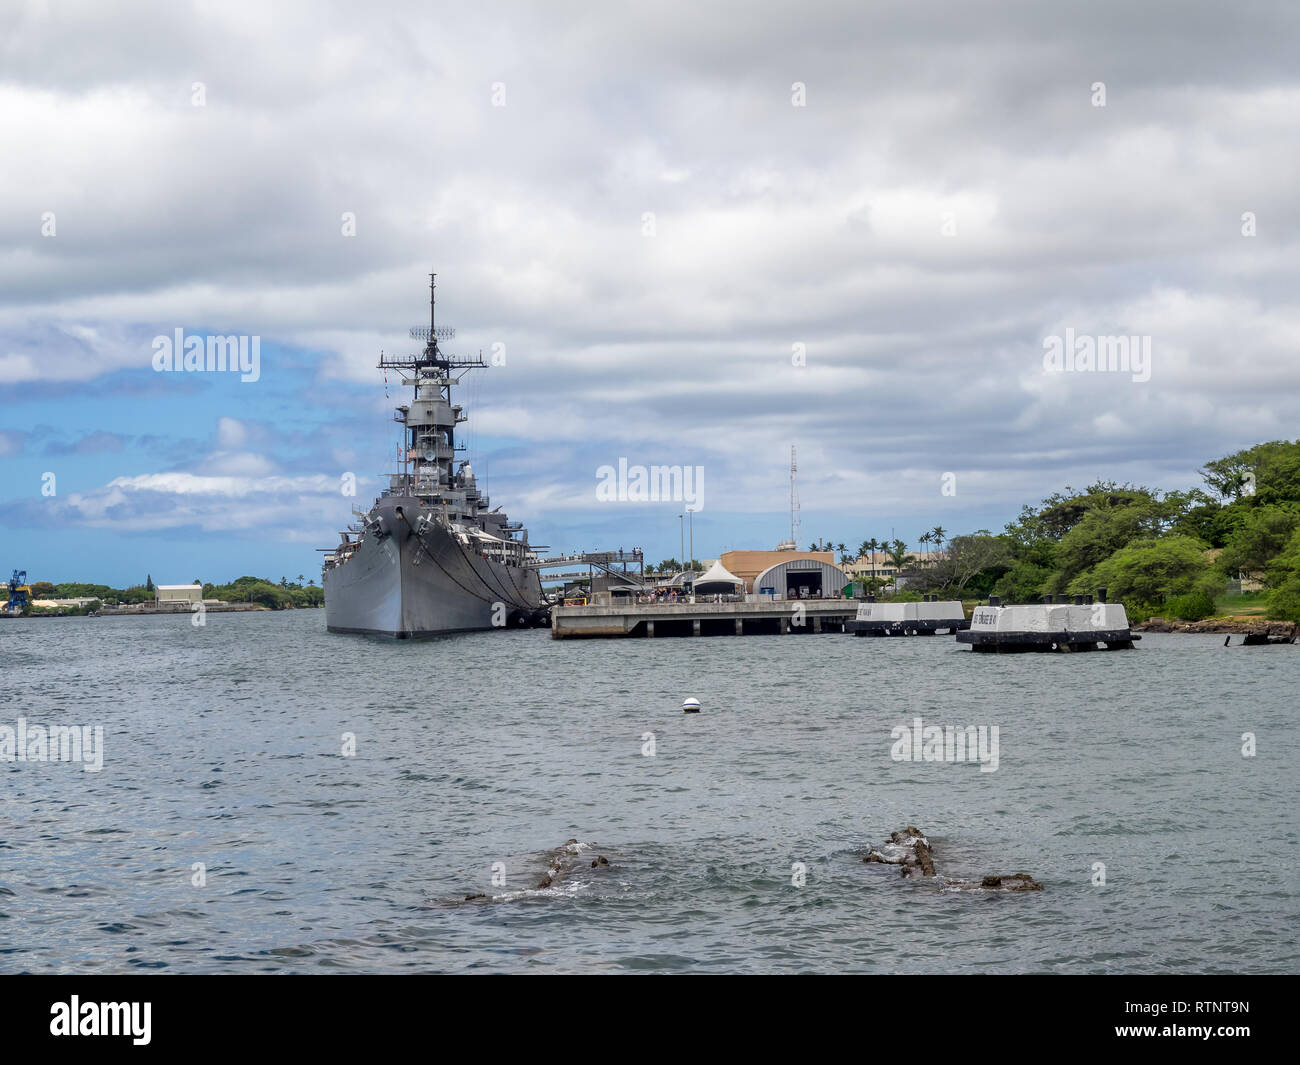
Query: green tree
(1228, 476)
(975, 555)
(1284, 600)
(1268, 473)
(1103, 529)
(1023, 582)
(1147, 572)
(1263, 533)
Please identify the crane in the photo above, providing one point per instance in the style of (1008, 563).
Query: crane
(18, 592)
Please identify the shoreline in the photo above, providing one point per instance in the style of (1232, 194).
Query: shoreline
(1233, 626)
(153, 610)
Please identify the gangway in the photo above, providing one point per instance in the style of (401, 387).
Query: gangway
(608, 562)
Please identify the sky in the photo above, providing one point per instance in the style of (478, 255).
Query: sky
(687, 234)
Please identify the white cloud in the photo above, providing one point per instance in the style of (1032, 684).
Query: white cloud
(774, 225)
(231, 433)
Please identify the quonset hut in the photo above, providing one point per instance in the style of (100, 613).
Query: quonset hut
(803, 578)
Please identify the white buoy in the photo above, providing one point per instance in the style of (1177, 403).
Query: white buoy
(691, 706)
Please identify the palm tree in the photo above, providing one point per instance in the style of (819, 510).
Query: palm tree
(925, 539)
(871, 546)
(936, 535)
(899, 558)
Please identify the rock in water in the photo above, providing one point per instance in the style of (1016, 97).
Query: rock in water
(1015, 882)
(907, 848)
(910, 849)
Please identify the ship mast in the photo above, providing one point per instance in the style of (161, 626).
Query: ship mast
(429, 421)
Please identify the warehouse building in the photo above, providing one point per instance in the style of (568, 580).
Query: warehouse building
(178, 593)
(749, 564)
(803, 578)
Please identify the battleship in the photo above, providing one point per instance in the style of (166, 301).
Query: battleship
(431, 555)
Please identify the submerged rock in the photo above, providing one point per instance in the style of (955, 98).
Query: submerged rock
(1014, 882)
(559, 864)
(562, 860)
(909, 849)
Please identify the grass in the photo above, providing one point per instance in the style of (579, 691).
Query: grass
(1249, 604)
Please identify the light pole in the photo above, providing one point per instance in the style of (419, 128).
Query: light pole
(691, 523)
(681, 526)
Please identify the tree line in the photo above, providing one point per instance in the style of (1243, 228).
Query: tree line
(1160, 553)
(284, 595)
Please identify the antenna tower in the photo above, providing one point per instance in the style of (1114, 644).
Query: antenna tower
(794, 499)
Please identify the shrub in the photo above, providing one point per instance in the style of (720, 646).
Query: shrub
(1284, 601)
(1194, 606)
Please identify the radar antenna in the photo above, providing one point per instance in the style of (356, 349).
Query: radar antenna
(432, 332)
(794, 500)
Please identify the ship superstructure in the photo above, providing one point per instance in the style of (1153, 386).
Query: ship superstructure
(431, 555)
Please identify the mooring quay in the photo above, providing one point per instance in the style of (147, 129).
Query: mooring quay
(726, 618)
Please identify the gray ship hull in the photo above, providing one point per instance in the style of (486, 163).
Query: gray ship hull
(425, 585)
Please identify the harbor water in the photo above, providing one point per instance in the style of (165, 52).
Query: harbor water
(274, 798)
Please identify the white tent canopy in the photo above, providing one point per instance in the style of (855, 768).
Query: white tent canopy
(717, 574)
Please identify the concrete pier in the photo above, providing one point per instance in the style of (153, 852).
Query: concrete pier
(787, 617)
